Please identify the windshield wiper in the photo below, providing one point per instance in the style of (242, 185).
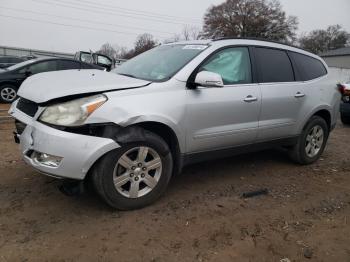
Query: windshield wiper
(127, 75)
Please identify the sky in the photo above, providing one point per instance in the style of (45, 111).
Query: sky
(72, 25)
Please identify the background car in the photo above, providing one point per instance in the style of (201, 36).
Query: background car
(11, 78)
(345, 105)
(6, 61)
(96, 59)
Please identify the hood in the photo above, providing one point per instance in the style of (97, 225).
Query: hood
(44, 87)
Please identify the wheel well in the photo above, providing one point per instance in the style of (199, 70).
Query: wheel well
(326, 116)
(9, 83)
(169, 137)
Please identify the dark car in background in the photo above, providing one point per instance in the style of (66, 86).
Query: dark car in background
(12, 77)
(7, 61)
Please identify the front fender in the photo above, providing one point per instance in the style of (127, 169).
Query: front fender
(159, 104)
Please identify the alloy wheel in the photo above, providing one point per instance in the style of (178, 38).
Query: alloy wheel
(137, 172)
(8, 94)
(314, 141)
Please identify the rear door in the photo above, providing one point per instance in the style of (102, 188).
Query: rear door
(224, 117)
(283, 98)
(42, 66)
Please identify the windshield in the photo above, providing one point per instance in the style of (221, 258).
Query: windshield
(161, 63)
(19, 65)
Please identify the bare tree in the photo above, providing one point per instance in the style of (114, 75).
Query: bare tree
(120, 51)
(191, 32)
(143, 43)
(250, 18)
(319, 41)
(108, 49)
(188, 33)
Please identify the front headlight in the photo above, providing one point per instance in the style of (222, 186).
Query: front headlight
(72, 113)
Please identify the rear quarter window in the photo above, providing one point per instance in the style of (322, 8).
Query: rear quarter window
(308, 67)
(273, 65)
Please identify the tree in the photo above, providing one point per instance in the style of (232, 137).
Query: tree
(120, 51)
(319, 41)
(191, 33)
(250, 18)
(143, 43)
(108, 50)
(188, 33)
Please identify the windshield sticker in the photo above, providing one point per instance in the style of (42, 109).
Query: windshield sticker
(195, 47)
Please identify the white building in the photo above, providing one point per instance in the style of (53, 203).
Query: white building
(17, 51)
(339, 58)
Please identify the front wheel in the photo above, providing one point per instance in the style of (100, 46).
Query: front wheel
(135, 175)
(311, 142)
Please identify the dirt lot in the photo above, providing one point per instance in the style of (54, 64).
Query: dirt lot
(306, 215)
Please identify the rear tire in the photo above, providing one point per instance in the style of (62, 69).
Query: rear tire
(311, 142)
(8, 93)
(116, 175)
(345, 119)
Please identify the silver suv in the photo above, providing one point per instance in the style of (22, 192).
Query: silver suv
(130, 130)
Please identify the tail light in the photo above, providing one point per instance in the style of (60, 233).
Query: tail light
(341, 89)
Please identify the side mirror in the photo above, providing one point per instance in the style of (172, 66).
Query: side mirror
(209, 79)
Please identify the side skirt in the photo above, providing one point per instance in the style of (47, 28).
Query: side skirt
(188, 159)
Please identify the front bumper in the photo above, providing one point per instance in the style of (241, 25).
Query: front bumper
(78, 152)
(345, 109)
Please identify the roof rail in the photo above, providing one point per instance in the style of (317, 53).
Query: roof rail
(256, 39)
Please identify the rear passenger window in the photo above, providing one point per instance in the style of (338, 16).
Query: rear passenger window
(308, 67)
(274, 66)
(68, 65)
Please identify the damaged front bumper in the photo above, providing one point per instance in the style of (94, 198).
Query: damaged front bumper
(58, 153)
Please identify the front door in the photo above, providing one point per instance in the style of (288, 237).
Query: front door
(218, 118)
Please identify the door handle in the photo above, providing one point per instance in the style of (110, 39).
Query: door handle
(250, 99)
(299, 95)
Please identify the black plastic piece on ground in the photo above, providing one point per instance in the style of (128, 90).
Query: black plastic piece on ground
(16, 138)
(72, 188)
(255, 193)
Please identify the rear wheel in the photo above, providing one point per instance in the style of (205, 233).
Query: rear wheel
(8, 93)
(345, 119)
(135, 175)
(311, 142)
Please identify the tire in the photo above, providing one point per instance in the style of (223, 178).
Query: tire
(121, 196)
(345, 119)
(8, 93)
(302, 152)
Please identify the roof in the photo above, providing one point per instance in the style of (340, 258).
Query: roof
(345, 51)
(247, 41)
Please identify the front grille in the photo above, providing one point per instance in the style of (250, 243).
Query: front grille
(28, 107)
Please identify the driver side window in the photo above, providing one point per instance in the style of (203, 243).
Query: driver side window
(233, 64)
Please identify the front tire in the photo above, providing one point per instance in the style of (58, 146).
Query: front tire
(8, 93)
(345, 119)
(311, 142)
(135, 175)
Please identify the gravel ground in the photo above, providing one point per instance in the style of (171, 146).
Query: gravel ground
(305, 216)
